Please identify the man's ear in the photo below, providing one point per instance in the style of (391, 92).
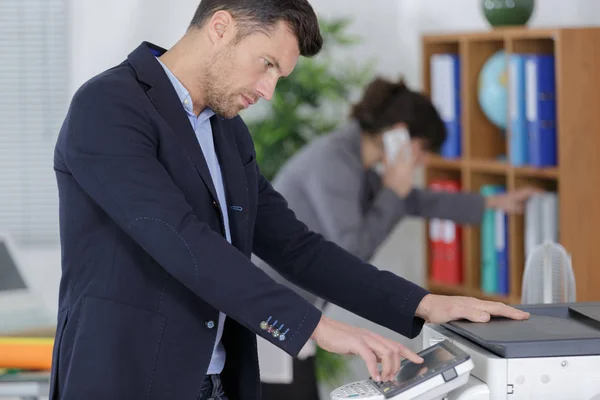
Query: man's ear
(402, 83)
(221, 27)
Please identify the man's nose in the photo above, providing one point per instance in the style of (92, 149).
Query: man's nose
(266, 88)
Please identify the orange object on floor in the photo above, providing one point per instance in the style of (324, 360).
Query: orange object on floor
(26, 353)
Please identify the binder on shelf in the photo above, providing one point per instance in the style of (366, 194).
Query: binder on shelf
(541, 220)
(549, 213)
(541, 109)
(518, 140)
(452, 243)
(489, 259)
(533, 217)
(445, 95)
(502, 259)
(445, 242)
(435, 236)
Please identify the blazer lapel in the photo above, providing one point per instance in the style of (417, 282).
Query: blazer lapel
(234, 179)
(165, 99)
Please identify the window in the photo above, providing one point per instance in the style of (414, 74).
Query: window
(33, 103)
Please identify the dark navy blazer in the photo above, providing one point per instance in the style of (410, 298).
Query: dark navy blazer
(145, 266)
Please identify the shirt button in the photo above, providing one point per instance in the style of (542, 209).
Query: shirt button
(210, 324)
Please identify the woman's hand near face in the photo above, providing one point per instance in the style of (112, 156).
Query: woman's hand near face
(399, 173)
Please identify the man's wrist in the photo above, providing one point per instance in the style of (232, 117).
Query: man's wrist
(313, 336)
(424, 307)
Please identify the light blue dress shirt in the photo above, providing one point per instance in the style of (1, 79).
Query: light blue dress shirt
(203, 130)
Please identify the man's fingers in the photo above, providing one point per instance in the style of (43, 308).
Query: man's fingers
(410, 355)
(402, 351)
(394, 353)
(475, 315)
(384, 353)
(502, 310)
(513, 313)
(476, 310)
(471, 309)
(365, 352)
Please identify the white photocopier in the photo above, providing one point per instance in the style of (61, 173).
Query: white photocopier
(554, 355)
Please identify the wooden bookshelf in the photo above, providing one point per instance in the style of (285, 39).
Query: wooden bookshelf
(576, 179)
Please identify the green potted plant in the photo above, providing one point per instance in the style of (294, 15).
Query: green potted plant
(312, 101)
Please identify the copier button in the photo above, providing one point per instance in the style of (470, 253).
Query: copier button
(449, 375)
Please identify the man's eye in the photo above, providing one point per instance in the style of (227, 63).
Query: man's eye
(268, 64)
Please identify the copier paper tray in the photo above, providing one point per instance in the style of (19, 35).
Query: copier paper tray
(552, 330)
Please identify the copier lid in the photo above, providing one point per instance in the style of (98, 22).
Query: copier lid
(552, 330)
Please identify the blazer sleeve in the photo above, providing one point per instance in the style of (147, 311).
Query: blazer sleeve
(463, 207)
(332, 273)
(111, 151)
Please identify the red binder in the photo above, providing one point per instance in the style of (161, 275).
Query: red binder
(435, 243)
(451, 243)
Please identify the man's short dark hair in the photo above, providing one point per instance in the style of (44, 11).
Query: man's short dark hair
(262, 15)
(385, 104)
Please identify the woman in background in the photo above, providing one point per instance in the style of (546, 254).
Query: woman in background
(332, 186)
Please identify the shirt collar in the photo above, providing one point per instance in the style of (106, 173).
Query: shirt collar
(184, 95)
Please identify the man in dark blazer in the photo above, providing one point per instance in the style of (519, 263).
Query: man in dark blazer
(161, 206)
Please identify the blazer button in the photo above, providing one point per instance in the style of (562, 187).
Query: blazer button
(210, 324)
(215, 204)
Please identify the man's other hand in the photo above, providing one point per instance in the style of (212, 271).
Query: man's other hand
(438, 309)
(340, 338)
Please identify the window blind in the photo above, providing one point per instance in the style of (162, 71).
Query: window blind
(33, 103)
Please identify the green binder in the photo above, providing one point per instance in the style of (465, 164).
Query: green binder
(489, 262)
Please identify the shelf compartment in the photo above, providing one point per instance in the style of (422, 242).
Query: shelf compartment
(531, 172)
(488, 166)
(483, 139)
(438, 162)
(445, 289)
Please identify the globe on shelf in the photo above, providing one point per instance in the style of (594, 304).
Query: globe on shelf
(492, 91)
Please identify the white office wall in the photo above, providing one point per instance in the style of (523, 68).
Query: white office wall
(104, 32)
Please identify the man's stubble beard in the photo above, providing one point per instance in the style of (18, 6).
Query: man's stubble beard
(220, 96)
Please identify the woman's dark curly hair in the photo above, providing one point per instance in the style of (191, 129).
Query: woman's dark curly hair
(385, 103)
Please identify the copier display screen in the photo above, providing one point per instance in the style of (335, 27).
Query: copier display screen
(433, 362)
(437, 360)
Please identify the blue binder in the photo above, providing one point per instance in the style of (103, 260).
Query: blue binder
(445, 90)
(501, 237)
(518, 141)
(541, 109)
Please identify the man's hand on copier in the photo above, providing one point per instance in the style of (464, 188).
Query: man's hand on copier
(340, 338)
(439, 309)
